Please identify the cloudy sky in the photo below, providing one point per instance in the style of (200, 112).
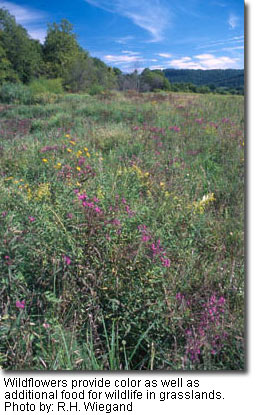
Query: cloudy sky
(135, 34)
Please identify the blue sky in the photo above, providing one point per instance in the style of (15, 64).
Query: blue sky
(135, 34)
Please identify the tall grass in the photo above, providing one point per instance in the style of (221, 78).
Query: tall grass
(122, 233)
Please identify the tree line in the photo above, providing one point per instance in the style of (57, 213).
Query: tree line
(24, 60)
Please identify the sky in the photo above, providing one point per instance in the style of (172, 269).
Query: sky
(138, 34)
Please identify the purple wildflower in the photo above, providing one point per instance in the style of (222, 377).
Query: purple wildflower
(20, 304)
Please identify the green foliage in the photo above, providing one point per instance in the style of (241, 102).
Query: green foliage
(60, 49)
(43, 85)
(15, 93)
(23, 54)
(217, 77)
(95, 89)
(121, 227)
(154, 79)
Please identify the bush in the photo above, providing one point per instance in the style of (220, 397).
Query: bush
(15, 93)
(42, 86)
(96, 89)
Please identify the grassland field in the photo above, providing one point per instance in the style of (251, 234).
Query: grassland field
(122, 233)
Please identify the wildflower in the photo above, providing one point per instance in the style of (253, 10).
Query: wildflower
(4, 213)
(67, 136)
(67, 259)
(20, 304)
(162, 184)
(78, 168)
(69, 150)
(45, 160)
(165, 262)
(204, 202)
(86, 149)
(32, 219)
(70, 215)
(72, 142)
(82, 196)
(59, 165)
(46, 325)
(79, 153)
(88, 154)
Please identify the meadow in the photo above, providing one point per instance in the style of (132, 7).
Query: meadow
(122, 233)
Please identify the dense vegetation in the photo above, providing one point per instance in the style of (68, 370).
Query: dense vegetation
(121, 231)
(227, 78)
(25, 61)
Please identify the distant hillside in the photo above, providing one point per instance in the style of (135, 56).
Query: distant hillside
(228, 78)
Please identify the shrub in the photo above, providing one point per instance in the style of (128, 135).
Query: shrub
(96, 89)
(15, 93)
(42, 86)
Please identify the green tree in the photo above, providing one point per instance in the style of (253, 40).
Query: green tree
(21, 54)
(60, 49)
(155, 79)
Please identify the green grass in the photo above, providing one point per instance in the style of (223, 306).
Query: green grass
(146, 271)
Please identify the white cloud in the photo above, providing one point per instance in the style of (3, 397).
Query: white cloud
(233, 48)
(184, 63)
(204, 61)
(30, 18)
(233, 21)
(150, 15)
(165, 55)
(38, 34)
(22, 14)
(157, 67)
(124, 40)
(122, 59)
(130, 53)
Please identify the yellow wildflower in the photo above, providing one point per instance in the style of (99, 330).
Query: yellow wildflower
(69, 150)
(78, 168)
(79, 153)
(201, 204)
(162, 184)
(86, 149)
(88, 154)
(72, 142)
(45, 160)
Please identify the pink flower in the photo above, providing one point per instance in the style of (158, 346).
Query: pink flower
(46, 325)
(4, 214)
(83, 196)
(20, 304)
(32, 219)
(67, 259)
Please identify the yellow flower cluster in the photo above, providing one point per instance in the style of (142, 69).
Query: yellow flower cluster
(202, 204)
(41, 192)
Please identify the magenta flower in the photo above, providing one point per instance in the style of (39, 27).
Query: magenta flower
(67, 259)
(83, 196)
(20, 304)
(46, 325)
(32, 219)
(4, 214)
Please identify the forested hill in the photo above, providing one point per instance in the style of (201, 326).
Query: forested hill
(230, 78)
